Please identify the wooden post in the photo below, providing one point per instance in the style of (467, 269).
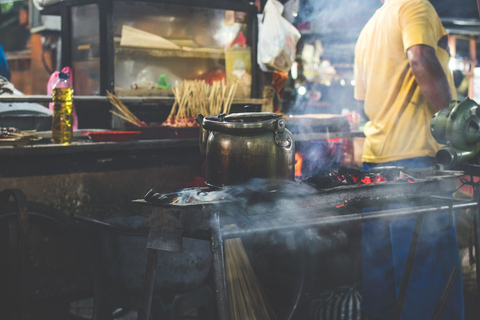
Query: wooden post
(452, 45)
(473, 62)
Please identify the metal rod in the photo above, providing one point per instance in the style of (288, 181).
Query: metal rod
(476, 239)
(443, 298)
(402, 293)
(219, 269)
(147, 294)
(358, 217)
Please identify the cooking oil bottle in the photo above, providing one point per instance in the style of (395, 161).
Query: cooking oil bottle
(62, 122)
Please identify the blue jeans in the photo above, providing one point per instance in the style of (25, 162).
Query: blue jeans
(385, 246)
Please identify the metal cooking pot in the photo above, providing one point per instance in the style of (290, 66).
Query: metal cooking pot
(242, 146)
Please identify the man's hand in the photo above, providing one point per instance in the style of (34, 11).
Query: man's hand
(429, 75)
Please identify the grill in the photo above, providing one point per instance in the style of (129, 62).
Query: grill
(261, 207)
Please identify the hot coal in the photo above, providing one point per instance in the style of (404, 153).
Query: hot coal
(346, 177)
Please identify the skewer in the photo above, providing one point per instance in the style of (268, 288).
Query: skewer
(196, 96)
(231, 94)
(125, 118)
(247, 299)
(126, 114)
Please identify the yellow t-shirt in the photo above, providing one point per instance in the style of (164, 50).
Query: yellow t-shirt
(399, 126)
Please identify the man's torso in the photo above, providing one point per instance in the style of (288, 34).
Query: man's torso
(399, 114)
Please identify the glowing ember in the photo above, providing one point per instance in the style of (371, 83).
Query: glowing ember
(298, 164)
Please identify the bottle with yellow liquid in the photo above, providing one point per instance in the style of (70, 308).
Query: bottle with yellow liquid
(62, 122)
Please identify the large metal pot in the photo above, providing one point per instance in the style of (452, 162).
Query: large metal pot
(242, 146)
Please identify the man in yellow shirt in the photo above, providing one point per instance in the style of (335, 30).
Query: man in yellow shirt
(402, 77)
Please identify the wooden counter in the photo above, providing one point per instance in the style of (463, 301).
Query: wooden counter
(100, 179)
(87, 156)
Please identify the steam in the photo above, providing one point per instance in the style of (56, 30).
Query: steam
(324, 81)
(261, 201)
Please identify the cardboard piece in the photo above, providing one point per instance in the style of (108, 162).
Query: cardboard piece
(132, 37)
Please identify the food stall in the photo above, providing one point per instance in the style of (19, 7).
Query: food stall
(190, 210)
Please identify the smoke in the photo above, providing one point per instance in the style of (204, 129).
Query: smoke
(337, 24)
(263, 202)
(265, 205)
(325, 78)
(199, 195)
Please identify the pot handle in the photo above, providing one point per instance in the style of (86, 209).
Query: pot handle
(281, 138)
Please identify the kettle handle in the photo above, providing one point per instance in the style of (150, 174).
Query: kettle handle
(202, 143)
(281, 138)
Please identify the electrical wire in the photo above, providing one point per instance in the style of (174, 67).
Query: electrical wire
(44, 61)
(478, 6)
(38, 4)
(466, 182)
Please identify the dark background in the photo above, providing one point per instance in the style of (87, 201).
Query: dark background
(341, 21)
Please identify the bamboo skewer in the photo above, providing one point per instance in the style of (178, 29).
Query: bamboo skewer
(196, 96)
(121, 116)
(125, 113)
(231, 94)
(246, 297)
(192, 97)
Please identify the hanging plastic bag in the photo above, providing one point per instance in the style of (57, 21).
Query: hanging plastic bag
(53, 79)
(277, 39)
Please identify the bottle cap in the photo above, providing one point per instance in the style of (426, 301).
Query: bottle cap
(63, 75)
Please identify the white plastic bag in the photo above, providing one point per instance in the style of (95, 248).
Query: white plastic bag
(277, 39)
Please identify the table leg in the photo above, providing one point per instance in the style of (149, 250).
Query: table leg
(219, 270)
(147, 293)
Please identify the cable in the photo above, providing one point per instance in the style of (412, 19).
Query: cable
(38, 4)
(478, 6)
(44, 62)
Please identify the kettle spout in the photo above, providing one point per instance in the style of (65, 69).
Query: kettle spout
(202, 143)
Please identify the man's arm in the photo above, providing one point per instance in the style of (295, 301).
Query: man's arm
(429, 75)
(361, 110)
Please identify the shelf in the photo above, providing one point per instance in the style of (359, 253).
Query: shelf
(18, 55)
(146, 100)
(198, 53)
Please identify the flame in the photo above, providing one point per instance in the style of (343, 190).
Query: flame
(298, 164)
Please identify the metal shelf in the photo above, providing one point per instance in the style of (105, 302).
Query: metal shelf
(136, 100)
(199, 53)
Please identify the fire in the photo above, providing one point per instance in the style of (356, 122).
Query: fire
(298, 164)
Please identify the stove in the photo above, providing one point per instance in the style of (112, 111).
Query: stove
(263, 205)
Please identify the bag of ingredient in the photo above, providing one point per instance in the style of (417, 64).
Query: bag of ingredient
(277, 39)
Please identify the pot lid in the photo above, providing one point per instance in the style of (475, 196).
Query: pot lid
(242, 122)
(250, 117)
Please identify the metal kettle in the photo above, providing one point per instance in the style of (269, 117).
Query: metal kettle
(242, 146)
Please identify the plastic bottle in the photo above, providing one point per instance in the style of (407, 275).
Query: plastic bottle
(62, 97)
